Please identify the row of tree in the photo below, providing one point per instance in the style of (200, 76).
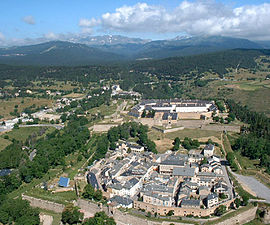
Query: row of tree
(134, 130)
(254, 141)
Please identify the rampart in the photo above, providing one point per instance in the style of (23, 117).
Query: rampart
(44, 204)
(178, 211)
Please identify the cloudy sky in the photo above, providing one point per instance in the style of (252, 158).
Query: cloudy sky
(32, 21)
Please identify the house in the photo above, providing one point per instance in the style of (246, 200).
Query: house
(135, 148)
(91, 179)
(203, 191)
(217, 170)
(208, 150)
(167, 166)
(158, 199)
(211, 200)
(183, 172)
(121, 201)
(206, 168)
(190, 203)
(220, 188)
(63, 182)
(195, 156)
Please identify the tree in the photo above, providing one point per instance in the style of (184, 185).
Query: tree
(112, 146)
(143, 114)
(18, 211)
(245, 200)
(220, 210)
(71, 215)
(100, 218)
(222, 196)
(204, 161)
(170, 213)
(88, 192)
(237, 202)
(176, 143)
(98, 195)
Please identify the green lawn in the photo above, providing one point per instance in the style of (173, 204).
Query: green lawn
(4, 143)
(191, 133)
(23, 133)
(60, 197)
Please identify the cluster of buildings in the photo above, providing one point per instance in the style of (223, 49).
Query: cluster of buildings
(187, 184)
(116, 90)
(174, 109)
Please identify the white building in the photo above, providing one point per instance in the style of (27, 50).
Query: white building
(208, 150)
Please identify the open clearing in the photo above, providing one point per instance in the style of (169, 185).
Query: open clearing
(7, 106)
(192, 133)
(74, 95)
(4, 143)
(164, 141)
(23, 133)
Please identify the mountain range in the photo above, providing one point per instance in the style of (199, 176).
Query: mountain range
(105, 49)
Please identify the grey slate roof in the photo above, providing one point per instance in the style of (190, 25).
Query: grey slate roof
(121, 200)
(211, 196)
(175, 162)
(209, 147)
(183, 171)
(190, 202)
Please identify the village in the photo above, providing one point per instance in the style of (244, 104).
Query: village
(185, 184)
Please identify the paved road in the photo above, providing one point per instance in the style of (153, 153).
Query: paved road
(226, 177)
(257, 187)
(57, 126)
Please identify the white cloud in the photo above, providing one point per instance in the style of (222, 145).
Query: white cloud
(2, 37)
(202, 17)
(51, 36)
(29, 20)
(88, 23)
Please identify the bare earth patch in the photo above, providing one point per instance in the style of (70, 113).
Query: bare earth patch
(46, 219)
(164, 144)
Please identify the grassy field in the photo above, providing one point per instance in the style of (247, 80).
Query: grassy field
(164, 141)
(58, 85)
(245, 87)
(60, 197)
(4, 143)
(23, 133)
(74, 95)
(7, 106)
(192, 133)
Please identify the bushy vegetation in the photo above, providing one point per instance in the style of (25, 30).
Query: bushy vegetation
(18, 212)
(254, 141)
(51, 151)
(189, 144)
(100, 218)
(90, 193)
(71, 215)
(132, 129)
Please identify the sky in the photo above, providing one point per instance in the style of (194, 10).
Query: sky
(33, 21)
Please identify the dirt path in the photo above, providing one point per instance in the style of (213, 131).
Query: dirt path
(228, 149)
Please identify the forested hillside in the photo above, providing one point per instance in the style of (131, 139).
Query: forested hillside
(254, 141)
(215, 62)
